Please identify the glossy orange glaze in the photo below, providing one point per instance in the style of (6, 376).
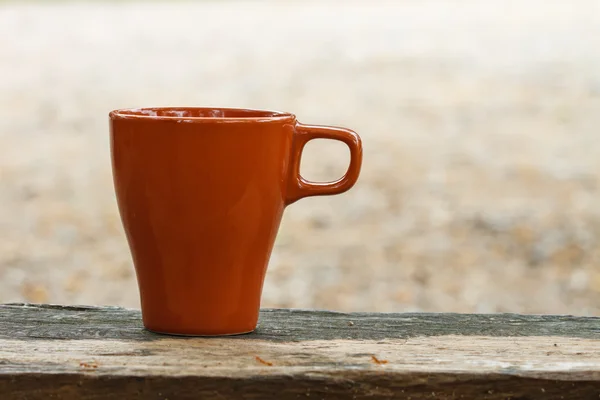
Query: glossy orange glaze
(201, 193)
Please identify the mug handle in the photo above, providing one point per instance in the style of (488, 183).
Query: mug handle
(297, 186)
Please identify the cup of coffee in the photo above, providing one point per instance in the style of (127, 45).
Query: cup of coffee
(201, 193)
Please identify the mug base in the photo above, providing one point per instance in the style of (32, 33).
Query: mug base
(198, 334)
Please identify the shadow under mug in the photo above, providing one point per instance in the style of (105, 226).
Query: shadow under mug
(201, 193)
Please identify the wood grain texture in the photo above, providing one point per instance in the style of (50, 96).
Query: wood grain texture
(85, 322)
(103, 352)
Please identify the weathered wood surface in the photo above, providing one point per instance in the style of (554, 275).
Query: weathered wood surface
(97, 353)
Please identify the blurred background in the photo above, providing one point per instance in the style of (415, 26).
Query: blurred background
(480, 189)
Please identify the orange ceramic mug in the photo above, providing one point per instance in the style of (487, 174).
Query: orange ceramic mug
(201, 193)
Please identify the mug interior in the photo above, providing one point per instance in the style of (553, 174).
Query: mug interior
(199, 113)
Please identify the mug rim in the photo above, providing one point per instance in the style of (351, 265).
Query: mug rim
(220, 114)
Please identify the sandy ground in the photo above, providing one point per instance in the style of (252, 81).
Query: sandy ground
(480, 189)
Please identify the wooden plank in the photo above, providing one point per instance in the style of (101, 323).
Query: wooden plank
(93, 352)
(84, 322)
